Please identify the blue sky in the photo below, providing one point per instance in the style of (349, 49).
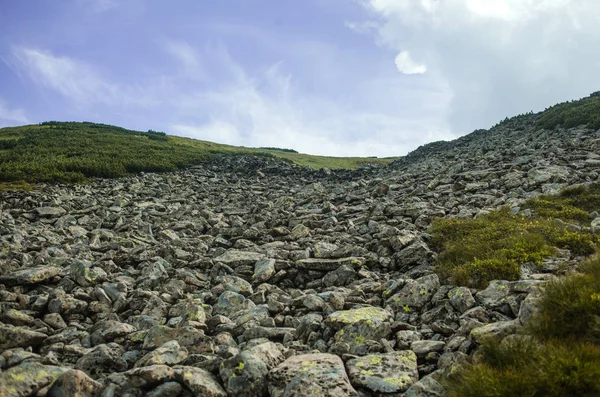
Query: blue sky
(335, 77)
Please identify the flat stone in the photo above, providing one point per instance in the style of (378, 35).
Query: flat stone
(19, 337)
(309, 375)
(27, 378)
(339, 319)
(327, 265)
(32, 275)
(239, 258)
(384, 373)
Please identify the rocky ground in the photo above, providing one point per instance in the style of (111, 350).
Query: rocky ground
(252, 277)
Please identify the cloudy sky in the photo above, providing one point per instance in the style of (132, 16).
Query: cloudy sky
(335, 77)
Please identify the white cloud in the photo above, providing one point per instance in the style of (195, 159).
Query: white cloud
(269, 109)
(9, 116)
(74, 79)
(498, 58)
(407, 65)
(183, 53)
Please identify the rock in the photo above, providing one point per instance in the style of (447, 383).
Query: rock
(415, 294)
(244, 375)
(199, 381)
(144, 377)
(11, 337)
(169, 353)
(33, 275)
(51, 212)
(264, 269)
(384, 373)
(239, 258)
(74, 383)
(27, 378)
(102, 359)
(339, 319)
(461, 299)
(326, 265)
(310, 375)
(167, 389)
(426, 387)
(424, 347)
(499, 330)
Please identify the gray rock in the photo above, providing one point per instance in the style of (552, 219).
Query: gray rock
(310, 375)
(384, 373)
(27, 379)
(74, 383)
(33, 275)
(168, 353)
(11, 337)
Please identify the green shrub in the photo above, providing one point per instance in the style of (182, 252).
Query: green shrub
(570, 307)
(585, 111)
(524, 367)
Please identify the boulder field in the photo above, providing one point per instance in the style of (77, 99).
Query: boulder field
(248, 276)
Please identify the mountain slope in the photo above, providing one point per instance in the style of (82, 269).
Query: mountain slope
(72, 152)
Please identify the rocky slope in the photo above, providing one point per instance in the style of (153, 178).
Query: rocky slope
(247, 276)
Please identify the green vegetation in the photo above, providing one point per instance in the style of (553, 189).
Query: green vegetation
(72, 152)
(473, 252)
(558, 356)
(585, 111)
(278, 149)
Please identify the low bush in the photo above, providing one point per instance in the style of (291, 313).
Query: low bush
(525, 367)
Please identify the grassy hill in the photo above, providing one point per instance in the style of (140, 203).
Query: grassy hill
(73, 152)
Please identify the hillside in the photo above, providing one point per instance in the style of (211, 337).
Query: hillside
(465, 269)
(72, 152)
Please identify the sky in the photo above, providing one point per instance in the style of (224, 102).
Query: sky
(329, 77)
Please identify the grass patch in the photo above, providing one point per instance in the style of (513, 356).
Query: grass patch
(72, 152)
(585, 111)
(473, 252)
(572, 204)
(570, 307)
(524, 367)
(560, 356)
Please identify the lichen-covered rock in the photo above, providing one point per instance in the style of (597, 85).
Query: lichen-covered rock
(28, 276)
(199, 381)
(74, 383)
(244, 375)
(169, 353)
(461, 299)
(340, 319)
(415, 294)
(314, 375)
(27, 378)
(498, 329)
(384, 373)
(264, 269)
(19, 337)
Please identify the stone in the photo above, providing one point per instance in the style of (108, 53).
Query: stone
(426, 387)
(239, 258)
(415, 294)
(11, 337)
(340, 319)
(169, 353)
(310, 375)
(51, 212)
(199, 381)
(264, 269)
(74, 383)
(424, 347)
(384, 373)
(244, 375)
(27, 379)
(461, 299)
(496, 330)
(102, 359)
(29, 276)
